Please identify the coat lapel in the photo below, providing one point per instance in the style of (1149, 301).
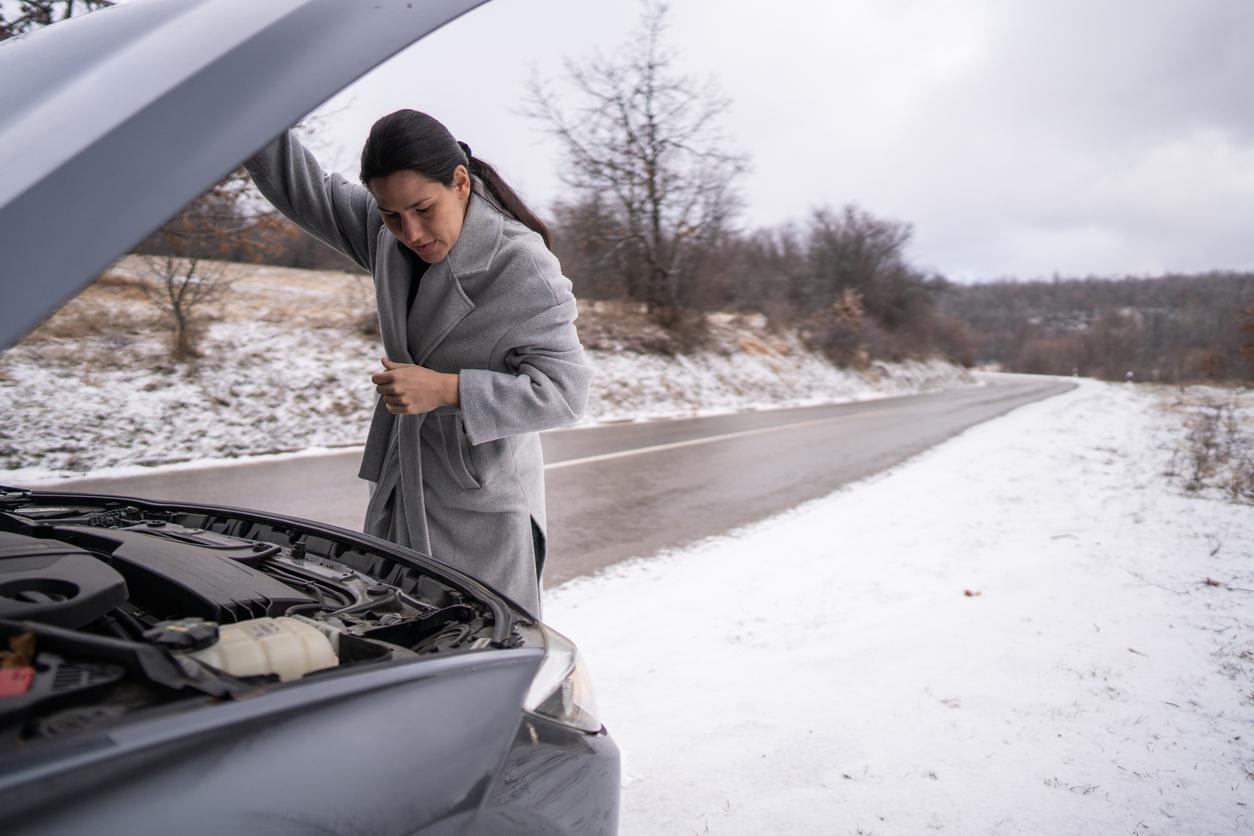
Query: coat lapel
(440, 305)
(392, 296)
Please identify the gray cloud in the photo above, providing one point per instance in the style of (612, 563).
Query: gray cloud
(1018, 137)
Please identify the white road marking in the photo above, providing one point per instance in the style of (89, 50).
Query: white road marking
(709, 439)
(891, 407)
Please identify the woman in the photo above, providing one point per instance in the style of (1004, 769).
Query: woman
(477, 325)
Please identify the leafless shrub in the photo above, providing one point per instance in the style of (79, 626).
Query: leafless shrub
(1216, 450)
(186, 291)
(188, 262)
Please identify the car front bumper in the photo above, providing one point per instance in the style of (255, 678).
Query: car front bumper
(555, 780)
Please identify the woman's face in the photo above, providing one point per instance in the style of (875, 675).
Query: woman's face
(423, 214)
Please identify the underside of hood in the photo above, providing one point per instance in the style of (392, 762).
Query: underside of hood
(109, 123)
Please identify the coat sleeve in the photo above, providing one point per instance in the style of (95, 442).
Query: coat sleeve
(546, 385)
(328, 207)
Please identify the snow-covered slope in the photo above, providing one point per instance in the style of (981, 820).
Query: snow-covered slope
(1028, 629)
(285, 370)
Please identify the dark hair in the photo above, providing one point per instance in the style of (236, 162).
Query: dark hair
(413, 141)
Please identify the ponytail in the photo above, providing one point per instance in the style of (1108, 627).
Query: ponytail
(507, 198)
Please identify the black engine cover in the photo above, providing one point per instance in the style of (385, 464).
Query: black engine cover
(180, 577)
(54, 583)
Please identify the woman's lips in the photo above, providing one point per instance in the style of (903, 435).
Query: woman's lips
(427, 248)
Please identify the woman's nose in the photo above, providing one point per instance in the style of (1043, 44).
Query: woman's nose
(412, 229)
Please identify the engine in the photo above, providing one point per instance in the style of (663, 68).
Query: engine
(108, 607)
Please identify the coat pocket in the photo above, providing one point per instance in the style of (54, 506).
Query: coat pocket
(457, 446)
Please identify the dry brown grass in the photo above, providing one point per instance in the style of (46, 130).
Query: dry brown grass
(1216, 447)
(608, 325)
(114, 305)
(118, 280)
(621, 326)
(309, 298)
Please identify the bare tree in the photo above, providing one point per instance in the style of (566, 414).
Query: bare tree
(188, 291)
(190, 262)
(646, 139)
(32, 14)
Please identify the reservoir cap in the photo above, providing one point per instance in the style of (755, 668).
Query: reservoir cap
(183, 635)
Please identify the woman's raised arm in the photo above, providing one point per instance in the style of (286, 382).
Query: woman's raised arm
(328, 207)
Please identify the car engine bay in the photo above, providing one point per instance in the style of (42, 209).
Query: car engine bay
(110, 606)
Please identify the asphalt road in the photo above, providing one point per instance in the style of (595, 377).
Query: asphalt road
(628, 490)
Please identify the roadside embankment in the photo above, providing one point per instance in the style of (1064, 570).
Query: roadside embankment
(286, 366)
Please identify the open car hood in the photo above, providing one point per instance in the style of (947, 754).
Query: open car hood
(109, 123)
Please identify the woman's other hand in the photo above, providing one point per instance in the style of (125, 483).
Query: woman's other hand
(410, 390)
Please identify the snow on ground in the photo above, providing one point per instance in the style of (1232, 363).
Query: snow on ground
(826, 671)
(105, 404)
(632, 386)
(260, 388)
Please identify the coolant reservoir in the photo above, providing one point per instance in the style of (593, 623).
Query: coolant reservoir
(286, 646)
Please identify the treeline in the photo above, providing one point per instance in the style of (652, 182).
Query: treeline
(1171, 329)
(841, 278)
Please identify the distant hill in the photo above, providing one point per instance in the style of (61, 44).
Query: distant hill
(1170, 329)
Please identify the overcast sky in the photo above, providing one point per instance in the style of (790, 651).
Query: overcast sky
(1019, 138)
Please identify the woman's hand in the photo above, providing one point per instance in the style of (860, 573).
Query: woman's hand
(410, 390)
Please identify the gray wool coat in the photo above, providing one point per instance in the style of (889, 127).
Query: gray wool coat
(464, 485)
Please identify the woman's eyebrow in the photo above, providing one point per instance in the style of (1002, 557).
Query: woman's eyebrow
(413, 205)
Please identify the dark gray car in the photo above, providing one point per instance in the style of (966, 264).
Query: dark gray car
(173, 668)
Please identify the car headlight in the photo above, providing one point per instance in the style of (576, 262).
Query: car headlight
(562, 690)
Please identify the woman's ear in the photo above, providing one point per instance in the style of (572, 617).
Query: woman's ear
(461, 181)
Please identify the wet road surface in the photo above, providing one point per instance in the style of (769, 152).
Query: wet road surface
(627, 490)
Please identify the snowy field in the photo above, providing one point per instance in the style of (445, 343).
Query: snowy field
(1028, 629)
(113, 404)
